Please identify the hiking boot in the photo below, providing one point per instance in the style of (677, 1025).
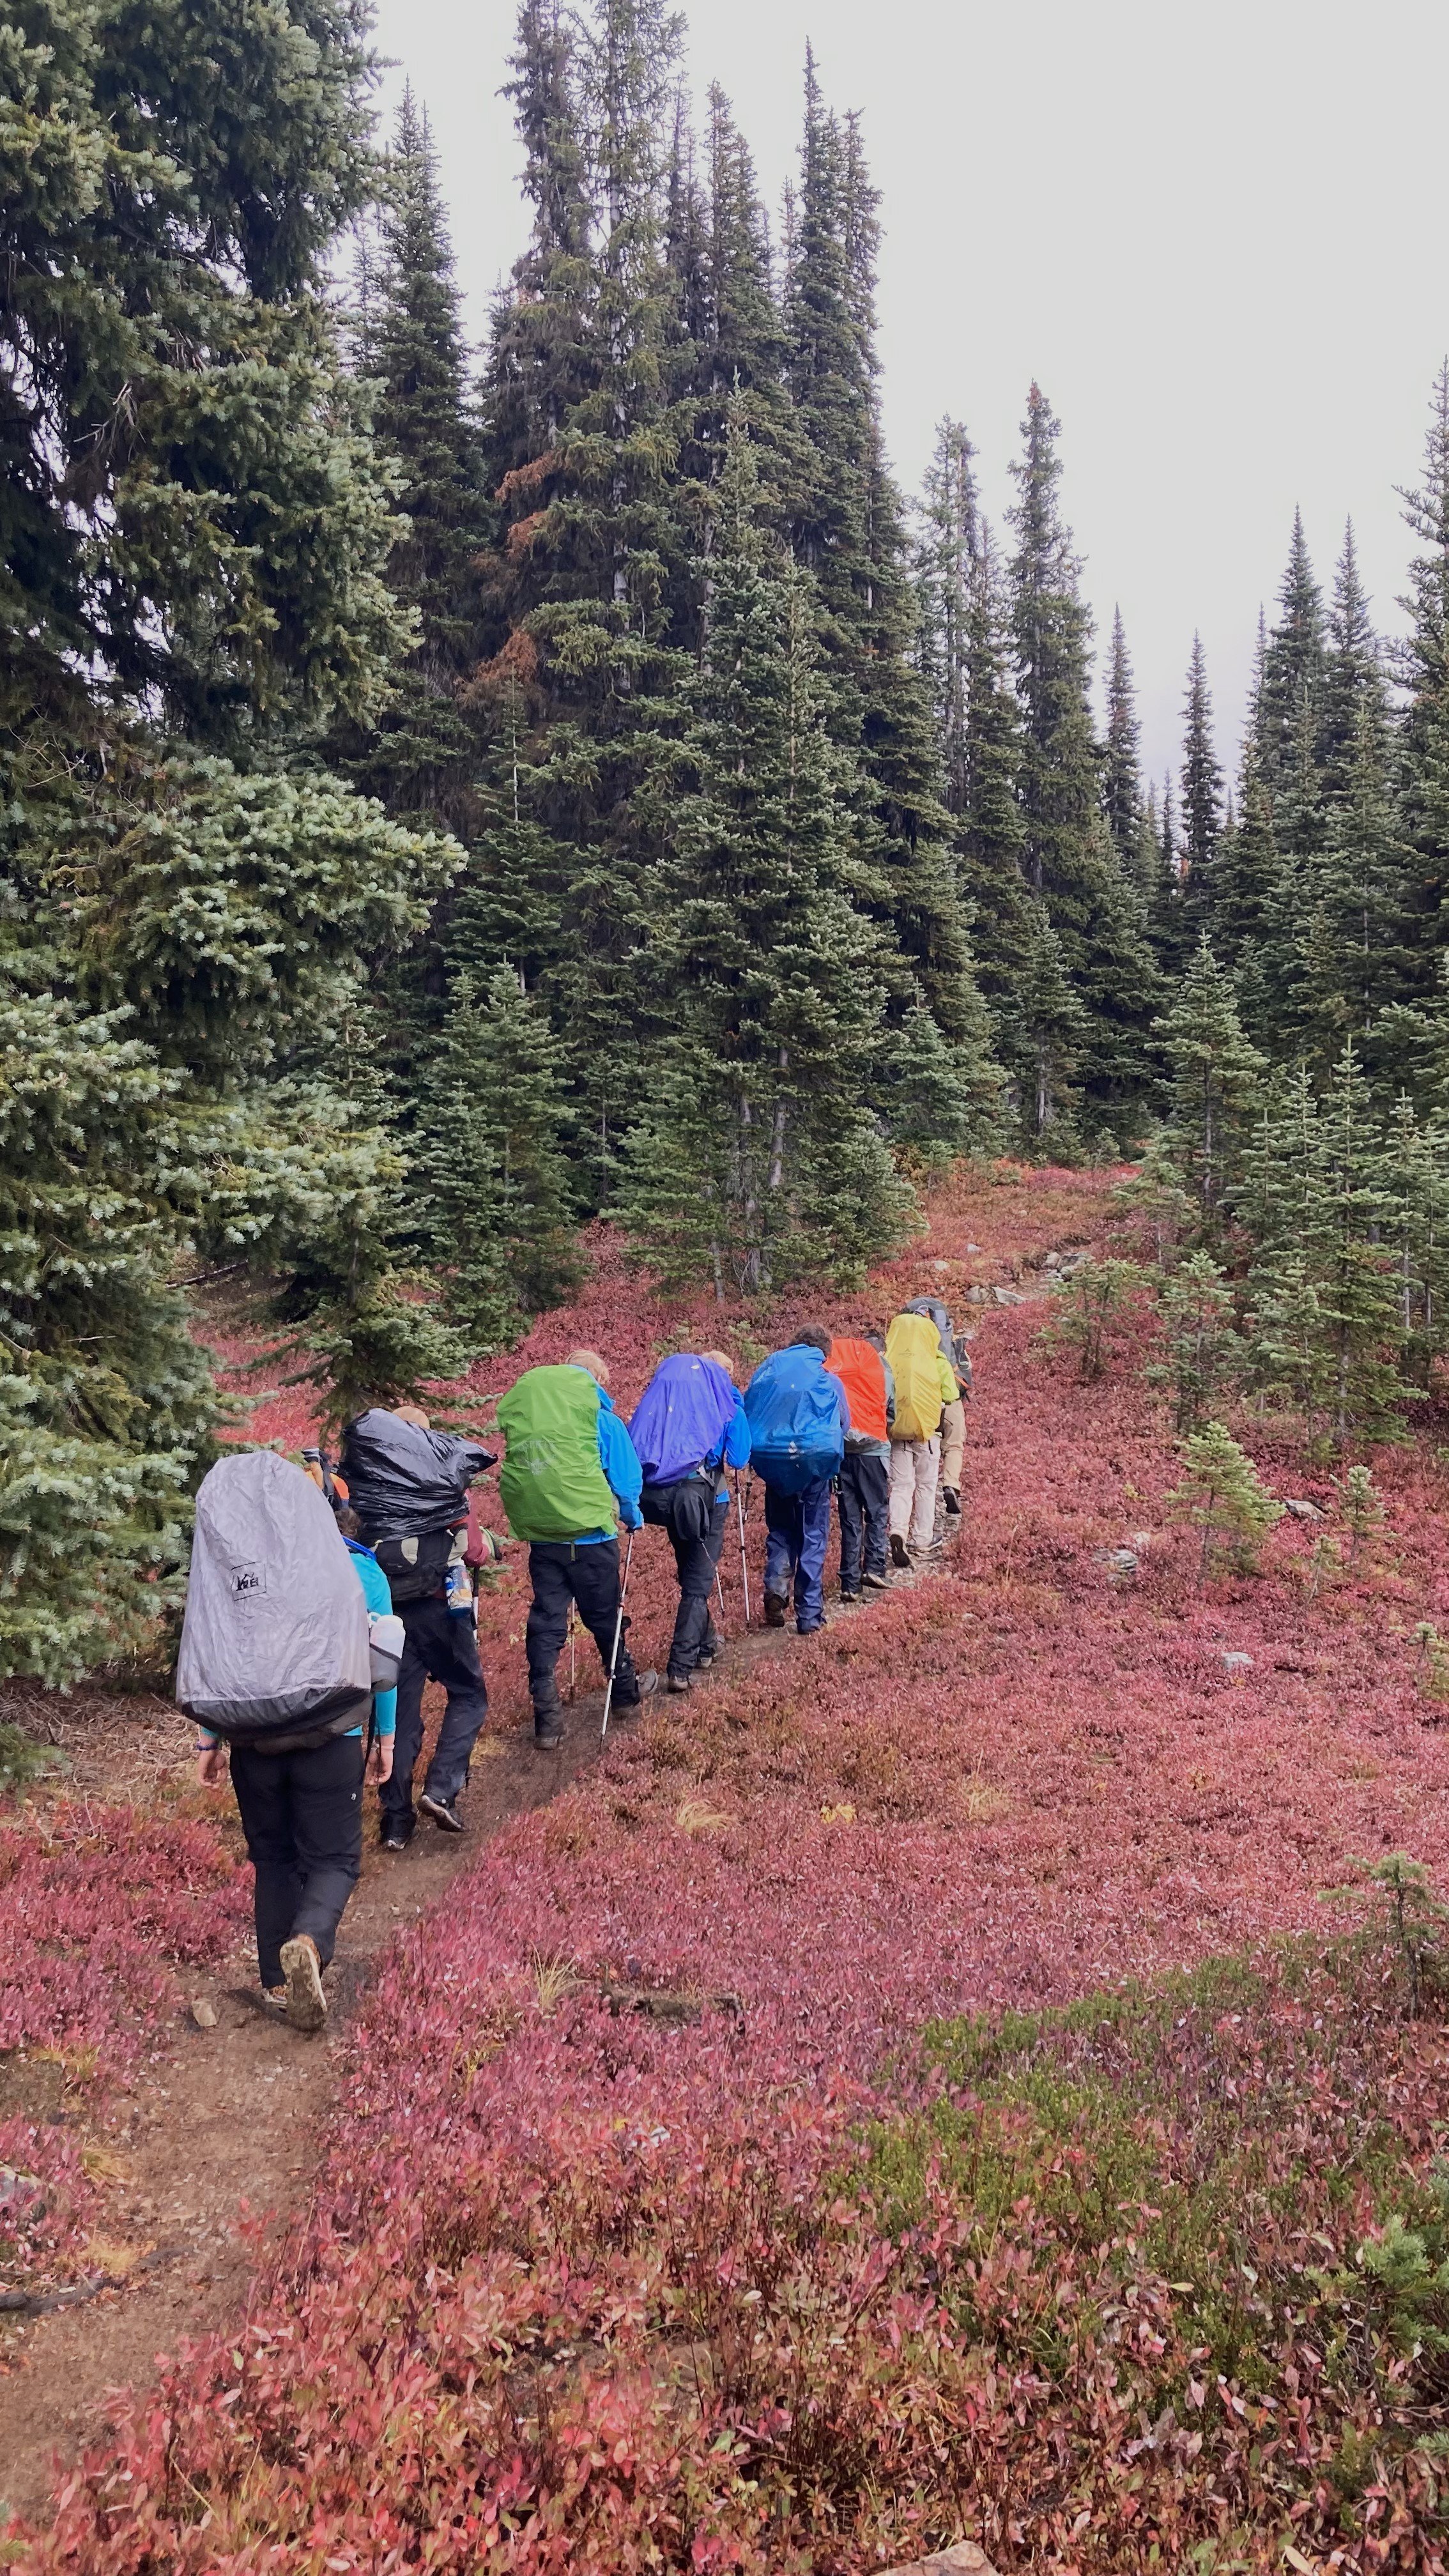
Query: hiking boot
(648, 1684)
(900, 1553)
(302, 1968)
(850, 1592)
(676, 1681)
(952, 1501)
(395, 1835)
(876, 1582)
(443, 1812)
(548, 1731)
(776, 1606)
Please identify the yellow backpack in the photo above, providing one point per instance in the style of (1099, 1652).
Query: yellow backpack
(913, 1347)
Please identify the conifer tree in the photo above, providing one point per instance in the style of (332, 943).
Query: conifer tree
(1202, 801)
(420, 757)
(946, 556)
(1068, 860)
(581, 415)
(1122, 769)
(1288, 701)
(847, 527)
(1216, 1076)
(499, 1214)
(1017, 958)
(1424, 669)
(1353, 677)
(1354, 961)
(1323, 1297)
(759, 1157)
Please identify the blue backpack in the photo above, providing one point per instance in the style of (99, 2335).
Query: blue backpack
(794, 1413)
(682, 1417)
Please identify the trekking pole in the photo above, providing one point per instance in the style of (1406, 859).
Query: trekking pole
(719, 1587)
(618, 1635)
(744, 1566)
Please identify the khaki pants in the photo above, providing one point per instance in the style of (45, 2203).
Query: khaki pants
(953, 1445)
(913, 1490)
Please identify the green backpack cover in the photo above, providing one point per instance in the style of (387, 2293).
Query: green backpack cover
(551, 1482)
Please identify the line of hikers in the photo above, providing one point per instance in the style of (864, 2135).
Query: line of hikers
(320, 1604)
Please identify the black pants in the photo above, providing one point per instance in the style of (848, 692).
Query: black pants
(562, 1571)
(694, 1513)
(864, 1494)
(443, 1649)
(302, 1817)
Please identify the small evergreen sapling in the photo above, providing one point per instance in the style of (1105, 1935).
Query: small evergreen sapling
(1203, 1351)
(1223, 1494)
(1362, 1507)
(1093, 1304)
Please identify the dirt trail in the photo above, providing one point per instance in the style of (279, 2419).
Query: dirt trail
(222, 2136)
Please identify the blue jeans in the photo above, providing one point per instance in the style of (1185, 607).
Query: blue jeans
(797, 1533)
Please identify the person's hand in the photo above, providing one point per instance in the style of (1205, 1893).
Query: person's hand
(211, 1765)
(379, 1760)
(632, 1518)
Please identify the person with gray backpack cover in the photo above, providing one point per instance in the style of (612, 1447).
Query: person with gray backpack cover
(280, 1658)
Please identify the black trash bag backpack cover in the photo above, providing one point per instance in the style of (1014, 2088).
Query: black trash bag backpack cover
(409, 1489)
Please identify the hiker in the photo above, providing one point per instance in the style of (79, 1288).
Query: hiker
(688, 1426)
(409, 1488)
(863, 1488)
(953, 1415)
(570, 1463)
(287, 1631)
(924, 1387)
(798, 1417)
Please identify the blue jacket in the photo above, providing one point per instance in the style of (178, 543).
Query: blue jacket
(622, 1472)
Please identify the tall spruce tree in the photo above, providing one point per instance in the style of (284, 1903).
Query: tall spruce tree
(498, 1211)
(947, 549)
(420, 757)
(196, 534)
(847, 527)
(759, 1157)
(1202, 801)
(1069, 860)
(1424, 671)
(1353, 677)
(1122, 768)
(583, 401)
(1014, 947)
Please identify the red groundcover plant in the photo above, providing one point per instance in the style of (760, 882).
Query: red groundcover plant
(97, 1905)
(822, 2131)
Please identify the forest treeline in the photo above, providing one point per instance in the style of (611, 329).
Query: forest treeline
(449, 795)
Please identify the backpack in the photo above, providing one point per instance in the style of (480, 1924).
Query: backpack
(682, 1417)
(861, 1372)
(552, 1485)
(403, 1480)
(416, 1566)
(913, 1347)
(953, 1345)
(793, 1410)
(274, 1649)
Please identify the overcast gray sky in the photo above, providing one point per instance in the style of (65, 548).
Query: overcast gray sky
(1214, 233)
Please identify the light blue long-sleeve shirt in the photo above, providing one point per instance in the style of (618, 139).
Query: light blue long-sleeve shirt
(622, 1472)
(377, 1593)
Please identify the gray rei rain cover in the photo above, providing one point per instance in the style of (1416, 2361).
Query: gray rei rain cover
(274, 1651)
